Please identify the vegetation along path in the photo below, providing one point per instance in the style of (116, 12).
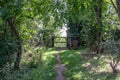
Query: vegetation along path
(63, 64)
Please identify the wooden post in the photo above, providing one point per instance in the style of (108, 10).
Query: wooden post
(53, 37)
(67, 41)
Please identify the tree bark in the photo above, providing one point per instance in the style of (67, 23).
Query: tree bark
(19, 44)
(98, 10)
(118, 7)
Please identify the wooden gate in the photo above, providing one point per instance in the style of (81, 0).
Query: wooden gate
(69, 42)
(59, 41)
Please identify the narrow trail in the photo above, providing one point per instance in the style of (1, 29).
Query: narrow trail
(59, 67)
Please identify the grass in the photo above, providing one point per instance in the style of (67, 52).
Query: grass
(94, 69)
(78, 67)
(45, 71)
(73, 61)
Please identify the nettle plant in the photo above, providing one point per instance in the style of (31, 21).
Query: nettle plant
(112, 48)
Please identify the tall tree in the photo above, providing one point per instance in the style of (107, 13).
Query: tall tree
(98, 10)
(10, 10)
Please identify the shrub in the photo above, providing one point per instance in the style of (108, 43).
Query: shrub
(7, 50)
(112, 48)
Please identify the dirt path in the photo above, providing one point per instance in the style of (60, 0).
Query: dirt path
(59, 67)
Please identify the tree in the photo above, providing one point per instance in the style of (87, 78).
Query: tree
(9, 12)
(98, 10)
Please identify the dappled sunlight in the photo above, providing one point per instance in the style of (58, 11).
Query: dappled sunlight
(78, 68)
(77, 76)
(46, 69)
(48, 54)
(86, 64)
(73, 60)
(66, 63)
(93, 65)
(117, 77)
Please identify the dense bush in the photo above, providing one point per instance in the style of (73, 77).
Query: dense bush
(7, 49)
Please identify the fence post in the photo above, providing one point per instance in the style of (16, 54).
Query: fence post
(53, 38)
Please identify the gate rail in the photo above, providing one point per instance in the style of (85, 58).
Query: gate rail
(56, 42)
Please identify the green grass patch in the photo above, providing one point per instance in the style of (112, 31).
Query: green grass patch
(95, 69)
(46, 69)
(73, 61)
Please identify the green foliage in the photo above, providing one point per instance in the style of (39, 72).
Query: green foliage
(116, 34)
(7, 47)
(32, 57)
(46, 35)
(112, 47)
(8, 41)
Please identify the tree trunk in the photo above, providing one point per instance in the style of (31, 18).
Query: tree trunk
(19, 43)
(19, 53)
(98, 10)
(118, 7)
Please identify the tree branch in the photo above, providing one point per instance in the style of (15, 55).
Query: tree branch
(114, 5)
